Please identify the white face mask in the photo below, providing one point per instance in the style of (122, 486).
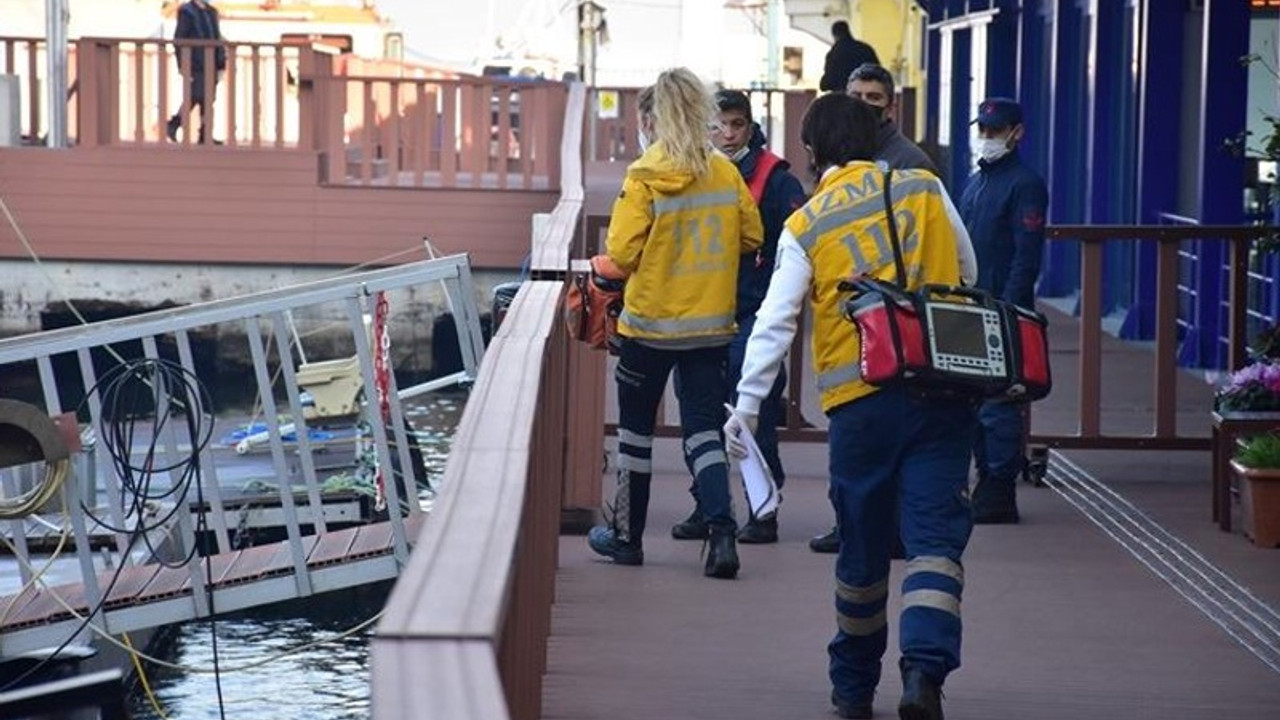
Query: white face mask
(740, 153)
(991, 149)
(643, 140)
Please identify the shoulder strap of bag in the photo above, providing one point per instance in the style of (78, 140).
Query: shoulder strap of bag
(898, 264)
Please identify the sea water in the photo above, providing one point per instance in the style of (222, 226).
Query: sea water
(262, 673)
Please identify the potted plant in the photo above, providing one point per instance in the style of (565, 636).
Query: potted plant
(1257, 465)
(1254, 388)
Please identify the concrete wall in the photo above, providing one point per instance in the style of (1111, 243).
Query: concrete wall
(30, 289)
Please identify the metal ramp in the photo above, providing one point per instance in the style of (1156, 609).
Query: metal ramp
(108, 583)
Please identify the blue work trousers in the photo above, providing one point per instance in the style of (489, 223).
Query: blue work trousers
(892, 445)
(641, 375)
(999, 451)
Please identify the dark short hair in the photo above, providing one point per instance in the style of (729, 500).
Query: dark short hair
(871, 72)
(840, 29)
(731, 100)
(839, 129)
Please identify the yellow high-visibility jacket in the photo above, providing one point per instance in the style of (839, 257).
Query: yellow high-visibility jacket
(844, 233)
(680, 236)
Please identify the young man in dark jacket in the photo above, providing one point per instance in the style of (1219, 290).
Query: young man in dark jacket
(198, 20)
(777, 194)
(845, 54)
(1003, 207)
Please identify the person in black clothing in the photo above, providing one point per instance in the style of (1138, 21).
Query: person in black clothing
(845, 55)
(197, 20)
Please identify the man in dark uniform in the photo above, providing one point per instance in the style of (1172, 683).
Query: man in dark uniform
(198, 20)
(845, 55)
(1004, 208)
(777, 193)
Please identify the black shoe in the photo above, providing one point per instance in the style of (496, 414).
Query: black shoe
(995, 502)
(722, 557)
(171, 131)
(604, 541)
(850, 709)
(760, 531)
(828, 544)
(921, 697)
(693, 527)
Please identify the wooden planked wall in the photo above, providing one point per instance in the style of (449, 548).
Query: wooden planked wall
(240, 205)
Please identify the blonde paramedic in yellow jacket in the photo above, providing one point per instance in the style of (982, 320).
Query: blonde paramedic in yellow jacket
(682, 220)
(884, 444)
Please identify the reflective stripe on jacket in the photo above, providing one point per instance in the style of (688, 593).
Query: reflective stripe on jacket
(680, 237)
(844, 232)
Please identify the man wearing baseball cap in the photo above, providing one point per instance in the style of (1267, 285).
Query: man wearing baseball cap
(1003, 207)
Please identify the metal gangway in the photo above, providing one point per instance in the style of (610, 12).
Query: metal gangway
(92, 555)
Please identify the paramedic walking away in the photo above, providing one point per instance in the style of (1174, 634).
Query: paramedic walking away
(886, 445)
(678, 226)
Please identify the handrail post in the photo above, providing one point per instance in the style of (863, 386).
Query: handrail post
(1091, 339)
(87, 105)
(1238, 261)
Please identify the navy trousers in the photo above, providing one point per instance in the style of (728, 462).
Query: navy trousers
(1000, 448)
(886, 447)
(641, 375)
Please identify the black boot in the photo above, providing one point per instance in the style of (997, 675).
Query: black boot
(722, 556)
(760, 531)
(995, 502)
(828, 544)
(693, 527)
(604, 541)
(921, 697)
(847, 709)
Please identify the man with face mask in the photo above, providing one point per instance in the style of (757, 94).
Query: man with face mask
(1003, 207)
(777, 194)
(873, 85)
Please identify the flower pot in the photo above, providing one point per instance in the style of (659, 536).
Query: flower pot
(1260, 503)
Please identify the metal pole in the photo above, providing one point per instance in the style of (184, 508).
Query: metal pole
(56, 18)
(772, 20)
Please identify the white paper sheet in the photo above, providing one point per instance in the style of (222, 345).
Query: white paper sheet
(758, 487)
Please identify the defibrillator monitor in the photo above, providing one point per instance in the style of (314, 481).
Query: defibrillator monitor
(966, 339)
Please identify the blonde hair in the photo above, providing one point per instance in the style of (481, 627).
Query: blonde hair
(683, 109)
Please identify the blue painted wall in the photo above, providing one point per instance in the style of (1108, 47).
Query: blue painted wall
(1104, 94)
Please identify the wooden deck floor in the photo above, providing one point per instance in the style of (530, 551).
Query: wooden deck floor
(1061, 621)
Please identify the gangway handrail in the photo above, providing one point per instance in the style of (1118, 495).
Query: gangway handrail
(474, 602)
(311, 560)
(78, 337)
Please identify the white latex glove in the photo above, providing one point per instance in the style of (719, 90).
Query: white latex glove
(738, 423)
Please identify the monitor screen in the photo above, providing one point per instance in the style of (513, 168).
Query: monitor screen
(958, 330)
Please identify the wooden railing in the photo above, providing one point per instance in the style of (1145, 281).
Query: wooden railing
(445, 133)
(465, 631)
(414, 130)
(611, 132)
(131, 87)
(1089, 433)
(24, 57)
(1164, 433)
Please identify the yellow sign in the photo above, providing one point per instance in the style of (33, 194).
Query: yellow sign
(607, 104)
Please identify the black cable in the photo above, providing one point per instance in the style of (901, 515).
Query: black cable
(125, 391)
